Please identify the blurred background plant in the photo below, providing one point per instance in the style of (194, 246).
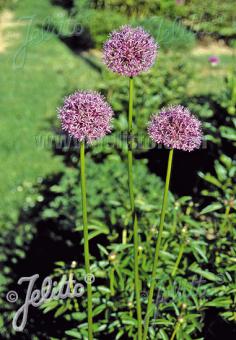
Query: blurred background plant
(50, 48)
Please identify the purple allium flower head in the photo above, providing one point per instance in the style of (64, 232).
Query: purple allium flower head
(176, 128)
(86, 116)
(214, 60)
(130, 51)
(179, 2)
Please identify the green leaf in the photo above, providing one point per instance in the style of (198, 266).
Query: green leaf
(163, 334)
(60, 310)
(99, 309)
(211, 179)
(220, 302)
(162, 322)
(99, 227)
(94, 234)
(79, 316)
(204, 273)
(200, 251)
(128, 320)
(228, 133)
(220, 171)
(74, 334)
(227, 161)
(167, 255)
(103, 249)
(211, 207)
(48, 306)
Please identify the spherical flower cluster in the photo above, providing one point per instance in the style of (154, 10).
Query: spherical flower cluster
(176, 128)
(214, 60)
(130, 51)
(86, 116)
(179, 2)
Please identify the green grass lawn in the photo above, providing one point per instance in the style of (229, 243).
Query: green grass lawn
(34, 80)
(209, 79)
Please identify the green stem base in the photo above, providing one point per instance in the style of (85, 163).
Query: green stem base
(158, 245)
(86, 240)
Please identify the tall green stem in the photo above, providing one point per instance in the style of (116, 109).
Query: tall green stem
(132, 205)
(177, 326)
(158, 244)
(176, 266)
(224, 226)
(86, 240)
